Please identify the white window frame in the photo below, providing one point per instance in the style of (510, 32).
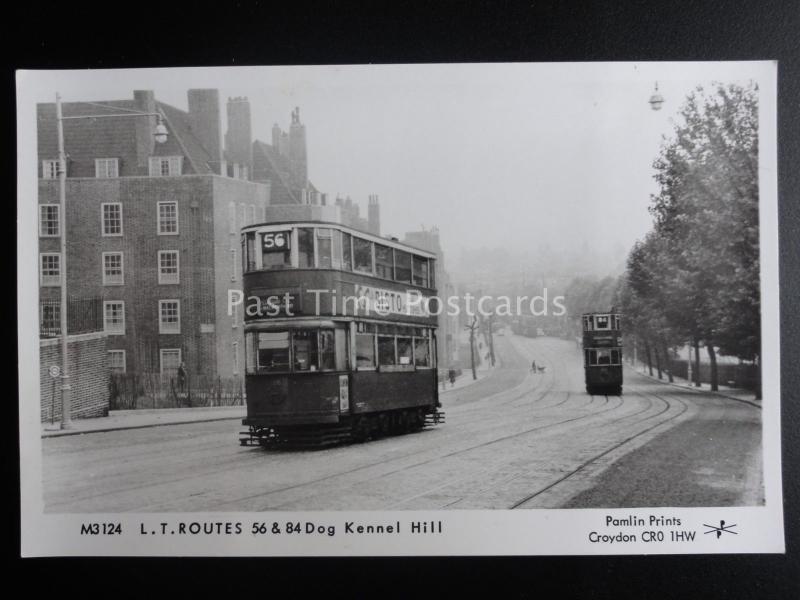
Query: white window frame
(101, 168)
(103, 219)
(50, 168)
(159, 222)
(161, 324)
(161, 353)
(124, 368)
(50, 281)
(106, 328)
(174, 166)
(162, 277)
(58, 220)
(232, 217)
(106, 280)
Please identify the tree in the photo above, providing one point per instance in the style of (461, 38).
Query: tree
(696, 275)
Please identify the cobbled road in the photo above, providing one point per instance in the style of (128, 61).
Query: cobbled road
(514, 440)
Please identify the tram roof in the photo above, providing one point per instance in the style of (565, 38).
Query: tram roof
(360, 232)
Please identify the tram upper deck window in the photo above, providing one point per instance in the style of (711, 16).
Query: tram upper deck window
(273, 351)
(347, 251)
(336, 249)
(402, 266)
(420, 271)
(305, 248)
(275, 250)
(324, 248)
(384, 264)
(362, 255)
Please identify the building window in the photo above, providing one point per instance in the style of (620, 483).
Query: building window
(50, 319)
(169, 316)
(112, 218)
(116, 361)
(114, 317)
(50, 169)
(243, 214)
(50, 269)
(170, 360)
(48, 220)
(165, 166)
(113, 271)
(232, 217)
(106, 167)
(235, 316)
(167, 218)
(233, 263)
(252, 214)
(235, 358)
(169, 267)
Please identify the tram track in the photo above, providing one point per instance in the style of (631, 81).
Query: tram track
(607, 451)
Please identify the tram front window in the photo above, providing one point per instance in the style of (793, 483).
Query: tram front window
(305, 248)
(421, 354)
(405, 352)
(324, 248)
(602, 322)
(362, 255)
(273, 351)
(305, 350)
(327, 350)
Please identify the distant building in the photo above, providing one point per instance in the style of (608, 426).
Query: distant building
(447, 347)
(153, 229)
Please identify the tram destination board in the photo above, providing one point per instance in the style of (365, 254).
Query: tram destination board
(372, 310)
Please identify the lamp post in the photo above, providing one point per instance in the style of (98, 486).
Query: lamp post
(160, 134)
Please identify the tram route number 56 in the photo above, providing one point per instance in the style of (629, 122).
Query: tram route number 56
(276, 241)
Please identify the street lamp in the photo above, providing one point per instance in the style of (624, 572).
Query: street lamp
(160, 134)
(656, 100)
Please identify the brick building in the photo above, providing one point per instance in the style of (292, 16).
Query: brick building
(153, 229)
(449, 326)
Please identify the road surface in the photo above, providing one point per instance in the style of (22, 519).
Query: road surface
(512, 440)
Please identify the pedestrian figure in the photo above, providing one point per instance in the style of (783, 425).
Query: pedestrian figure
(533, 366)
(181, 376)
(451, 374)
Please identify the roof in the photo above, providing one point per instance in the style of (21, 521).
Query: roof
(270, 164)
(88, 139)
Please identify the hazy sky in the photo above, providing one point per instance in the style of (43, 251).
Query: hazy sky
(512, 155)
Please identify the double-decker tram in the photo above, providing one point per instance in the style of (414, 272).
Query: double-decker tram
(602, 353)
(340, 335)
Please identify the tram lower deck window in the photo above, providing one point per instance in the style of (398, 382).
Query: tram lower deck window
(365, 351)
(386, 351)
(405, 351)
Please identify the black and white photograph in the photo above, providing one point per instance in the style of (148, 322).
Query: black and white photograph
(400, 309)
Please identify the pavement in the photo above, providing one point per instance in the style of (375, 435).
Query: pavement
(138, 419)
(723, 391)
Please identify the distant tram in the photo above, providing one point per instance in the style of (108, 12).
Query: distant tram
(602, 353)
(340, 335)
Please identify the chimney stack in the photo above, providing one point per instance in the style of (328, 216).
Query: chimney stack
(145, 101)
(206, 123)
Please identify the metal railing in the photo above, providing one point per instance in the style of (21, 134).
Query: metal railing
(84, 315)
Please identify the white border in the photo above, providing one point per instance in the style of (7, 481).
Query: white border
(500, 532)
